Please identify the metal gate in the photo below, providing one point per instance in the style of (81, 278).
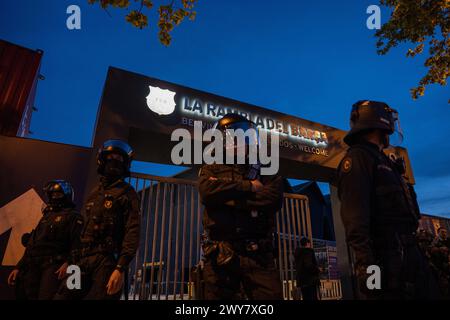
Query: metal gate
(170, 242)
(292, 222)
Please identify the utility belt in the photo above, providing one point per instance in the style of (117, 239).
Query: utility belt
(42, 260)
(93, 248)
(224, 251)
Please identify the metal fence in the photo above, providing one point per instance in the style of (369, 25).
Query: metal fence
(170, 246)
(170, 238)
(330, 289)
(292, 222)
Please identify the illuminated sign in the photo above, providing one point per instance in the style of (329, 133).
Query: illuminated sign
(161, 101)
(213, 111)
(294, 134)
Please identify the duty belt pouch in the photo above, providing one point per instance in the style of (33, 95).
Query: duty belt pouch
(221, 251)
(209, 248)
(225, 253)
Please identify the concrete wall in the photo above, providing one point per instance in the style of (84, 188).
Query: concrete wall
(25, 165)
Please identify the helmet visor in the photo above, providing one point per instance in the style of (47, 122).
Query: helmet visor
(396, 137)
(243, 138)
(59, 188)
(113, 145)
(240, 138)
(241, 133)
(249, 133)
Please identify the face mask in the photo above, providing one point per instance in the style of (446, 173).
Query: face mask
(114, 168)
(57, 200)
(57, 203)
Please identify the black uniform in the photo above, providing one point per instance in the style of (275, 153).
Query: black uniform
(239, 224)
(380, 216)
(109, 239)
(49, 246)
(307, 272)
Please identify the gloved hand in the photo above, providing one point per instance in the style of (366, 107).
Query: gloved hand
(219, 250)
(226, 253)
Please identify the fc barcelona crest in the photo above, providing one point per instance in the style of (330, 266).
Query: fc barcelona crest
(161, 101)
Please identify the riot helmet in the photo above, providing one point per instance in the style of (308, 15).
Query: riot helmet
(232, 125)
(59, 193)
(114, 159)
(367, 115)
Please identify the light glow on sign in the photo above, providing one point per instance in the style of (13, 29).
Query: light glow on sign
(294, 131)
(161, 101)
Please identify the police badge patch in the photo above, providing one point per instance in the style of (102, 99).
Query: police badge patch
(108, 204)
(347, 165)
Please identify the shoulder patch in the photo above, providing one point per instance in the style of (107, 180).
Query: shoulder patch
(108, 204)
(347, 165)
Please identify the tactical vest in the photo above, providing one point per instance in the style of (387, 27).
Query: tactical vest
(230, 222)
(393, 204)
(105, 218)
(51, 235)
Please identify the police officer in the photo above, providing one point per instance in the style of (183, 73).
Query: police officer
(48, 248)
(110, 236)
(240, 205)
(379, 211)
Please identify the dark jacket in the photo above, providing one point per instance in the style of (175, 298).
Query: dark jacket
(55, 237)
(306, 267)
(377, 206)
(112, 220)
(232, 210)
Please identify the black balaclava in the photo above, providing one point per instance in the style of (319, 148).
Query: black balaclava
(385, 140)
(113, 170)
(57, 200)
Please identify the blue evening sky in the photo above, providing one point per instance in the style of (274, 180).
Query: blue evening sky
(311, 59)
